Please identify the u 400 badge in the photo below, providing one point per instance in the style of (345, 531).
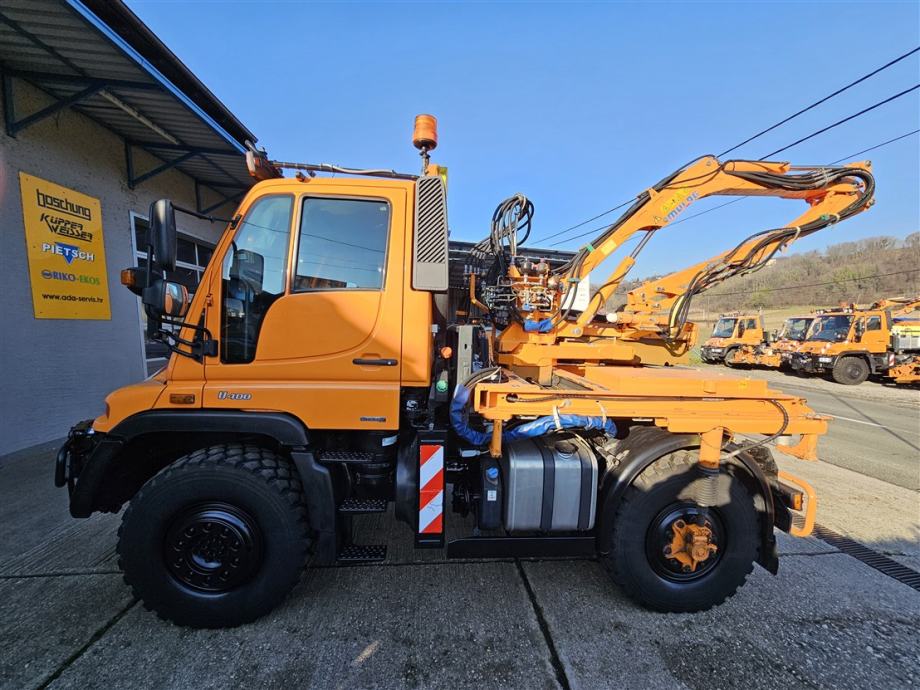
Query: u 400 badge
(227, 395)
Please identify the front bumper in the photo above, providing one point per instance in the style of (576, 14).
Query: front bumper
(82, 464)
(811, 364)
(712, 354)
(73, 454)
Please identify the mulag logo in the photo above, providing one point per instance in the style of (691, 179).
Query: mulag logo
(68, 251)
(67, 228)
(63, 205)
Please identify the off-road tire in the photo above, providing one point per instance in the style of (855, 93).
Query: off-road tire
(850, 371)
(727, 359)
(250, 481)
(668, 480)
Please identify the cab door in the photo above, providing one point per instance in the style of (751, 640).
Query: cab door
(874, 337)
(310, 307)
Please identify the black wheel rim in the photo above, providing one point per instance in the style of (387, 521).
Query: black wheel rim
(213, 547)
(659, 536)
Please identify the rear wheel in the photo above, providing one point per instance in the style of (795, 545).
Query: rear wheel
(670, 554)
(218, 538)
(850, 371)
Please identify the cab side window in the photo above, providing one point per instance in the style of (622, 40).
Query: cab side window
(874, 323)
(253, 275)
(342, 245)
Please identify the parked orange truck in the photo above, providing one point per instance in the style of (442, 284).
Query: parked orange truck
(852, 343)
(311, 381)
(731, 333)
(775, 353)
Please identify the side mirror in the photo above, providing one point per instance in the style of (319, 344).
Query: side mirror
(168, 299)
(162, 235)
(248, 267)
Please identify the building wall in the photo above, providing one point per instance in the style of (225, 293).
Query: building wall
(58, 371)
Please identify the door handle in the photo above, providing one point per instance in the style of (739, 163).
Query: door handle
(375, 362)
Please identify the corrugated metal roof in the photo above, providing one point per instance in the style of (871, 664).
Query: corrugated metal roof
(62, 47)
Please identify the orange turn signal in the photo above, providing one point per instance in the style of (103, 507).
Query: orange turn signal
(128, 277)
(446, 352)
(182, 398)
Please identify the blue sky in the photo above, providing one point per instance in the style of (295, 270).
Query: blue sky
(577, 105)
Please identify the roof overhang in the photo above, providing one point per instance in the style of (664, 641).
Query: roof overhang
(97, 58)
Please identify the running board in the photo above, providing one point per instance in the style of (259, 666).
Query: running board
(522, 547)
(362, 553)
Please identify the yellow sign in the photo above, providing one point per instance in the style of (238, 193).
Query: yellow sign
(66, 251)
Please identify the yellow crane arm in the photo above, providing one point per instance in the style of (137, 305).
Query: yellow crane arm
(832, 193)
(898, 305)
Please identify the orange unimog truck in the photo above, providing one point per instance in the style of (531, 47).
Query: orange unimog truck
(731, 333)
(850, 343)
(775, 353)
(311, 381)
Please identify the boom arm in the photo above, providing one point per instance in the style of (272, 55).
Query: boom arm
(656, 313)
(898, 305)
(832, 194)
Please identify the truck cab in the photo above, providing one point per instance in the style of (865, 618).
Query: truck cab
(848, 343)
(310, 305)
(731, 332)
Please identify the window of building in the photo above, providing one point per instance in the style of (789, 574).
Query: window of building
(192, 256)
(343, 245)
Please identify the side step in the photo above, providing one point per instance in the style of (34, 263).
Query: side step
(356, 456)
(358, 506)
(362, 553)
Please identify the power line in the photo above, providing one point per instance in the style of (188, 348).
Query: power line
(735, 201)
(796, 287)
(791, 117)
(585, 222)
(872, 148)
(846, 119)
(823, 100)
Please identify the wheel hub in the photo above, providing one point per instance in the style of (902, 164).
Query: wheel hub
(684, 541)
(691, 544)
(213, 547)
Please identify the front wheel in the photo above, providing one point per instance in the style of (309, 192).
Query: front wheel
(850, 371)
(216, 539)
(731, 358)
(670, 554)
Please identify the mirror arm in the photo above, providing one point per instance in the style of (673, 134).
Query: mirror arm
(206, 347)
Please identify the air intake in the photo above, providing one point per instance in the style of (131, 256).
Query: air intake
(429, 250)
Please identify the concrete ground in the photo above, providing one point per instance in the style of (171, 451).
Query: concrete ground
(827, 619)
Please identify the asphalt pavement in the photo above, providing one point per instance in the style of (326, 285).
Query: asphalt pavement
(827, 619)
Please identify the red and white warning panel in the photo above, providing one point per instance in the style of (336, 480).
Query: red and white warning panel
(431, 495)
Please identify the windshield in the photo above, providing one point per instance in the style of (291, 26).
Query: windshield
(831, 328)
(795, 329)
(724, 328)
